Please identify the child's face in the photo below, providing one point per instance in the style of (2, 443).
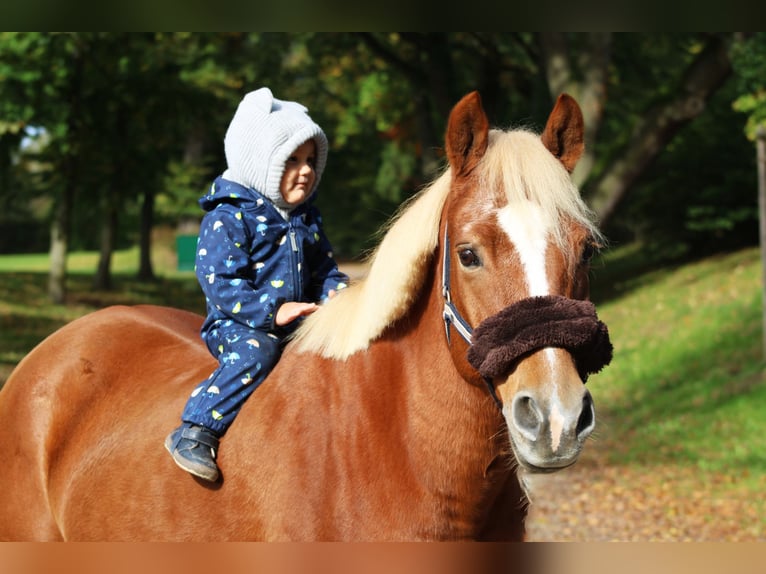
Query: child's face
(299, 176)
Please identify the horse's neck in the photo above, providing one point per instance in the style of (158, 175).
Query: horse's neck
(395, 420)
(453, 425)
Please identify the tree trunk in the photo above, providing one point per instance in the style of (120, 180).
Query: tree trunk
(59, 246)
(60, 227)
(145, 269)
(657, 127)
(111, 198)
(109, 223)
(761, 159)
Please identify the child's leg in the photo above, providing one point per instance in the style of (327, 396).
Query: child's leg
(245, 359)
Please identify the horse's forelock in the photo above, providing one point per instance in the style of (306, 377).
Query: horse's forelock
(518, 163)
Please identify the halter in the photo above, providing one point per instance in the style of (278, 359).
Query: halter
(452, 316)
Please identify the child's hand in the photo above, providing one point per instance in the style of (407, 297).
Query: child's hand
(290, 311)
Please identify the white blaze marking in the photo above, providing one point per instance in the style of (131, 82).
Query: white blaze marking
(528, 231)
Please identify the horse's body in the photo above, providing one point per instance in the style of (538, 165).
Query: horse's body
(372, 426)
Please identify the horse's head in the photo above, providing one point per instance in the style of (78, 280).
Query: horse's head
(516, 245)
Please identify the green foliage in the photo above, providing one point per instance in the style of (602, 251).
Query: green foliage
(750, 65)
(129, 115)
(699, 197)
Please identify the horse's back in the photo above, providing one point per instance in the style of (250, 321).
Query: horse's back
(83, 395)
(96, 401)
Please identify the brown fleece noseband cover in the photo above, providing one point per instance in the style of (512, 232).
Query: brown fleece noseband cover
(539, 322)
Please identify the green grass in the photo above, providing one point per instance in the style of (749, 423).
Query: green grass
(686, 385)
(27, 316)
(77, 263)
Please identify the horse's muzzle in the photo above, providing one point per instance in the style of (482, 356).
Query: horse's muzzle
(548, 438)
(547, 432)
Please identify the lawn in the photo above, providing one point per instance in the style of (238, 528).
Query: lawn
(27, 316)
(678, 448)
(686, 385)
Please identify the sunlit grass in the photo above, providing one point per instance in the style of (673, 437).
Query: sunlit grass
(79, 262)
(27, 315)
(686, 385)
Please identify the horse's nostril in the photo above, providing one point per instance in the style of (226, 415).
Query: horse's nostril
(526, 416)
(587, 419)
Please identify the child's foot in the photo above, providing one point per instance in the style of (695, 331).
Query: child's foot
(194, 449)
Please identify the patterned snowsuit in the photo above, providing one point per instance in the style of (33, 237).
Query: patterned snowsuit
(249, 261)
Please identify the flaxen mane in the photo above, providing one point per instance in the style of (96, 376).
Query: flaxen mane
(515, 161)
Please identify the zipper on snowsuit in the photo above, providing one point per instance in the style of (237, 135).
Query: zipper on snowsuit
(295, 261)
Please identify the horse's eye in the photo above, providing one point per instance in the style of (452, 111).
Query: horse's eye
(468, 258)
(588, 252)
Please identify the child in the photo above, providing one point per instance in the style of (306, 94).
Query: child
(263, 262)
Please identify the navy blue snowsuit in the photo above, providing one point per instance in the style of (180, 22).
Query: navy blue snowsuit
(249, 261)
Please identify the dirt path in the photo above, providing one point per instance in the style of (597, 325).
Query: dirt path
(594, 501)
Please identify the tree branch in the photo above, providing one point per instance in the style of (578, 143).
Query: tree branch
(659, 124)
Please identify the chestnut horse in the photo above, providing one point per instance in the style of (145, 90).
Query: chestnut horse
(374, 425)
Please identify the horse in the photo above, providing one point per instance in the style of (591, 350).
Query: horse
(377, 424)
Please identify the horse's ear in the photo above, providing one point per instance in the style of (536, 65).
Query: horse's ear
(467, 134)
(563, 134)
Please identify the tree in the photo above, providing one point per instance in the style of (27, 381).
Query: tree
(750, 67)
(134, 123)
(659, 123)
(49, 93)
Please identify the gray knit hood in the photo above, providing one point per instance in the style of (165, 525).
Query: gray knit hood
(261, 136)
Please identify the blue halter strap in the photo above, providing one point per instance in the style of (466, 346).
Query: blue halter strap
(453, 318)
(451, 315)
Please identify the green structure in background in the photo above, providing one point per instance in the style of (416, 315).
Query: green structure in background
(186, 248)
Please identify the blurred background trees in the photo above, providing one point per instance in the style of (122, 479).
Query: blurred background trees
(105, 137)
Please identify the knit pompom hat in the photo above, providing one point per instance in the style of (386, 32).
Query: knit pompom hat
(261, 136)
